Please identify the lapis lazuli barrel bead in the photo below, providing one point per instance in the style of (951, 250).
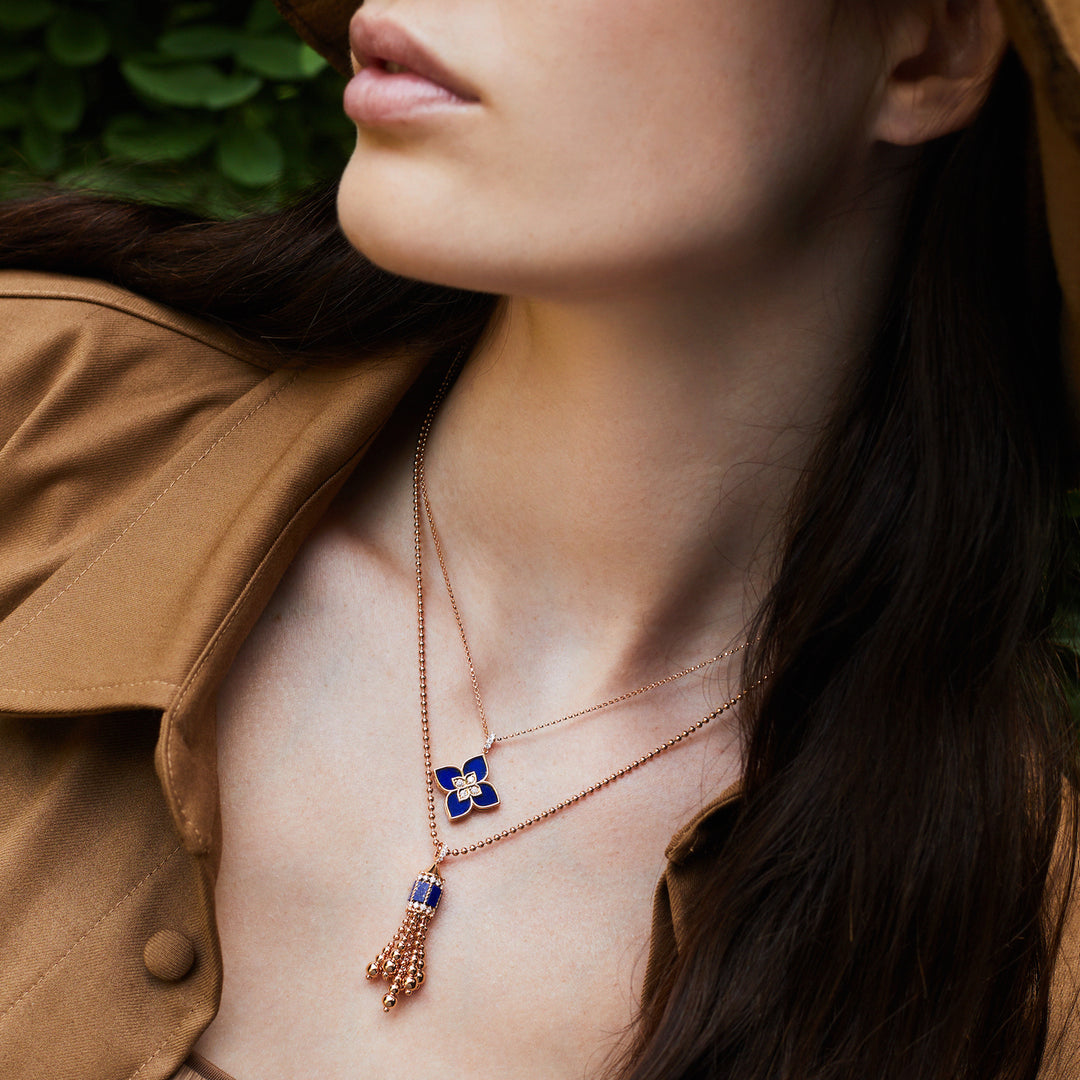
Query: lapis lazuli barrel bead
(426, 891)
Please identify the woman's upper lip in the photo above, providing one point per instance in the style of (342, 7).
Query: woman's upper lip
(379, 41)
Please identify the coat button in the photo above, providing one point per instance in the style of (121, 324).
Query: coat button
(169, 955)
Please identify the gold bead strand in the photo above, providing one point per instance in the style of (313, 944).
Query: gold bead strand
(401, 962)
(512, 830)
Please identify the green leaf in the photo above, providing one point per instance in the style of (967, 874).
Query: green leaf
(274, 57)
(25, 14)
(140, 139)
(15, 62)
(262, 17)
(231, 90)
(189, 12)
(206, 42)
(162, 126)
(178, 85)
(128, 182)
(190, 85)
(311, 62)
(250, 157)
(77, 38)
(58, 98)
(261, 114)
(220, 198)
(43, 148)
(13, 109)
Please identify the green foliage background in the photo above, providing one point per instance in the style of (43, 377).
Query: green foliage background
(213, 105)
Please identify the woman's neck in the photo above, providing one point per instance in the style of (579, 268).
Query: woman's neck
(610, 474)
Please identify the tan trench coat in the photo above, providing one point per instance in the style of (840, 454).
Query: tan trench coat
(155, 481)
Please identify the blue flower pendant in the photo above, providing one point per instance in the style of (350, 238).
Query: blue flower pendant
(467, 788)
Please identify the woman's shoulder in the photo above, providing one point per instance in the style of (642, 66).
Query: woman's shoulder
(79, 352)
(57, 315)
(98, 389)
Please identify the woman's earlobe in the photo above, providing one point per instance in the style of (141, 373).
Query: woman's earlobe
(941, 59)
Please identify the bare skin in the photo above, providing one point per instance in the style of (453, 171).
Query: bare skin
(608, 475)
(322, 784)
(325, 815)
(550, 932)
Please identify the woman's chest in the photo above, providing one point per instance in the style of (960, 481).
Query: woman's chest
(535, 956)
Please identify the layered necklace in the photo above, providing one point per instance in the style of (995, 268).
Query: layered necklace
(401, 962)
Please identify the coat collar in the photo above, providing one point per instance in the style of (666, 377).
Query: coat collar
(150, 616)
(125, 624)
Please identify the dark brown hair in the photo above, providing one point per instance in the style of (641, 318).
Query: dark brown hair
(887, 906)
(882, 906)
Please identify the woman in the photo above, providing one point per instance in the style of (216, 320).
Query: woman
(758, 456)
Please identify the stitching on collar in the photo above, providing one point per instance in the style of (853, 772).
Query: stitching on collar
(93, 562)
(212, 335)
(89, 930)
(170, 712)
(83, 689)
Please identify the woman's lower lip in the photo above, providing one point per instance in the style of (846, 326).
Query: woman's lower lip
(375, 97)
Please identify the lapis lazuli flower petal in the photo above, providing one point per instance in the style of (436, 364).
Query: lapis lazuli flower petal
(446, 775)
(456, 806)
(467, 788)
(476, 765)
(488, 796)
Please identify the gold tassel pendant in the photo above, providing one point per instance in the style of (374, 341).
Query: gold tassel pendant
(401, 963)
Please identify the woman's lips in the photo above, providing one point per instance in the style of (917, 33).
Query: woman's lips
(398, 77)
(376, 97)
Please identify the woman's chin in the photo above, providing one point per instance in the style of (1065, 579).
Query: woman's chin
(425, 226)
(402, 235)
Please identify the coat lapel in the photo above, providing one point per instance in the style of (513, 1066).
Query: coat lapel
(152, 613)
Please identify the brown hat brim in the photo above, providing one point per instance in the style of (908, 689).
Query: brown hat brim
(1046, 33)
(324, 25)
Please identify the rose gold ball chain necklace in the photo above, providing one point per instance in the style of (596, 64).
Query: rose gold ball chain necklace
(470, 787)
(401, 961)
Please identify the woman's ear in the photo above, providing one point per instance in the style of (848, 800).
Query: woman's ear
(941, 56)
